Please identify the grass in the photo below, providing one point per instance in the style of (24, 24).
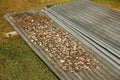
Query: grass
(113, 4)
(17, 60)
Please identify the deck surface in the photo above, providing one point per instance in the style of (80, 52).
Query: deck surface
(101, 25)
(97, 27)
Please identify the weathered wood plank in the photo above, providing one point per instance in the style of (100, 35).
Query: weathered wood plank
(74, 25)
(105, 70)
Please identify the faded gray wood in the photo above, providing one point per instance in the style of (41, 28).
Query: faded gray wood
(100, 24)
(71, 25)
(105, 71)
(96, 23)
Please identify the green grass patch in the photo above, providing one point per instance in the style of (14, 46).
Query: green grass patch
(18, 62)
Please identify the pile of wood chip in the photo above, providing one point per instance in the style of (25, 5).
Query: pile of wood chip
(58, 44)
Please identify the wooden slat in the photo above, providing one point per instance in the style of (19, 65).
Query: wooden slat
(105, 73)
(94, 25)
(74, 25)
(105, 34)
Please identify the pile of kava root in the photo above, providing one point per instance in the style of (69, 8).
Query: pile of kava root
(57, 43)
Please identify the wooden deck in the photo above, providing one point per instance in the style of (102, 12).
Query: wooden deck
(97, 27)
(99, 24)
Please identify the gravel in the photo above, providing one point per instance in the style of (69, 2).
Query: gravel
(57, 43)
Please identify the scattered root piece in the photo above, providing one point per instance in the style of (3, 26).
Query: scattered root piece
(11, 34)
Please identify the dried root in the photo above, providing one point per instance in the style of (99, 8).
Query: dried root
(55, 42)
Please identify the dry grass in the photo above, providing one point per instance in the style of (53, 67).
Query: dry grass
(113, 4)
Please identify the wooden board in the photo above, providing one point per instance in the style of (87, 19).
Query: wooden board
(101, 73)
(96, 23)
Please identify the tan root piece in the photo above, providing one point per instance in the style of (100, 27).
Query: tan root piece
(11, 34)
